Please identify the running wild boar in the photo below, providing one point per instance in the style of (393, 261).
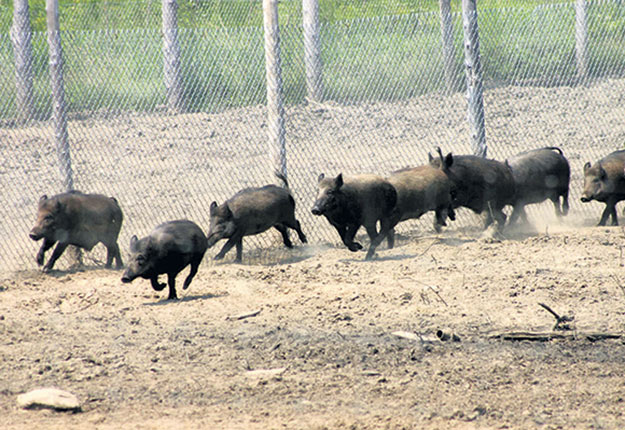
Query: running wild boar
(78, 219)
(480, 184)
(604, 181)
(420, 190)
(169, 248)
(253, 211)
(351, 202)
(540, 174)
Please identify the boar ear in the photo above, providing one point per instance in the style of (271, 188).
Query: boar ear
(43, 198)
(586, 166)
(449, 160)
(338, 181)
(133, 243)
(213, 207)
(602, 172)
(58, 206)
(228, 212)
(149, 245)
(430, 158)
(320, 178)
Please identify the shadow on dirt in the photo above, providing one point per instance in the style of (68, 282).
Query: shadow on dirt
(185, 299)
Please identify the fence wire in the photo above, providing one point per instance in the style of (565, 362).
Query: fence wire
(385, 107)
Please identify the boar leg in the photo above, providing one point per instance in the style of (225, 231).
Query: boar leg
(518, 212)
(348, 237)
(376, 239)
(390, 238)
(235, 239)
(610, 210)
(239, 247)
(565, 202)
(439, 219)
(171, 280)
(295, 225)
(386, 226)
(285, 235)
(47, 244)
(112, 252)
(194, 266)
(156, 285)
(60, 247)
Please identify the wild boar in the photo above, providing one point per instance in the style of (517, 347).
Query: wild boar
(604, 181)
(480, 184)
(540, 174)
(169, 248)
(351, 202)
(253, 211)
(420, 190)
(78, 219)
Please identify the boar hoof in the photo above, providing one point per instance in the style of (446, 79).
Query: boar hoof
(159, 287)
(355, 246)
(40, 259)
(218, 257)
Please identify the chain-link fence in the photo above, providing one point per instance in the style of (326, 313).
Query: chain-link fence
(385, 106)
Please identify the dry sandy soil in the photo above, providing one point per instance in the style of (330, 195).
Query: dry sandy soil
(321, 354)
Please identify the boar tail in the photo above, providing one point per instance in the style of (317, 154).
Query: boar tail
(555, 148)
(282, 178)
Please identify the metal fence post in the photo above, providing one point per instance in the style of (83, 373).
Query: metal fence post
(312, 51)
(447, 33)
(171, 55)
(473, 70)
(58, 94)
(22, 49)
(581, 38)
(275, 108)
(59, 108)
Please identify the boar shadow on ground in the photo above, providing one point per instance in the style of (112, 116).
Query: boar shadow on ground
(77, 268)
(191, 298)
(378, 257)
(276, 256)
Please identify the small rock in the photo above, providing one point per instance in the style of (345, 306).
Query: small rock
(265, 373)
(51, 398)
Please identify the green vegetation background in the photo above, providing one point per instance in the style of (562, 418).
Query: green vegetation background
(372, 50)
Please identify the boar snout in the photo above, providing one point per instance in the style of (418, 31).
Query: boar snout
(585, 199)
(35, 235)
(128, 277)
(316, 210)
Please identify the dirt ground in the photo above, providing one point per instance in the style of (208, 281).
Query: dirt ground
(322, 353)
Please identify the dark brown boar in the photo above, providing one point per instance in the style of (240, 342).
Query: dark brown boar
(169, 248)
(604, 181)
(480, 184)
(253, 211)
(540, 174)
(78, 219)
(351, 202)
(420, 190)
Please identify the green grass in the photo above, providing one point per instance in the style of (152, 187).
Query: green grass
(133, 14)
(376, 56)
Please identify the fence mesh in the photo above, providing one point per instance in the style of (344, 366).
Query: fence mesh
(385, 107)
